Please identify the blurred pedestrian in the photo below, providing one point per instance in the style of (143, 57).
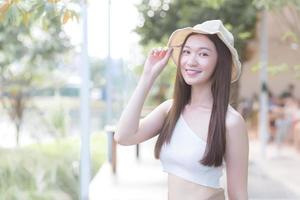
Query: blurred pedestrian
(296, 128)
(289, 92)
(284, 121)
(273, 114)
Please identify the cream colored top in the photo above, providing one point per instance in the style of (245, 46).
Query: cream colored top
(181, 157)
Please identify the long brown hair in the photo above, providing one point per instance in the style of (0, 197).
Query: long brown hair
(221, 79)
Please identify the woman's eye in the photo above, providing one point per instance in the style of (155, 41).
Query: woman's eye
(186, 51)
(203, 54)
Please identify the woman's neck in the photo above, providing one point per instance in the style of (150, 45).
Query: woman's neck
(201, 96)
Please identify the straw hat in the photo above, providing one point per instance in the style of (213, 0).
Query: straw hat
(208, 27)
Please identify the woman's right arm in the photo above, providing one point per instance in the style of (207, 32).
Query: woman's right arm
(130, 130)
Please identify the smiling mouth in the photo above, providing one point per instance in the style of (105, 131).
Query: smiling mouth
(192, 71)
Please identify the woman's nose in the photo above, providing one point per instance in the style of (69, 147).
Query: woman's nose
(192, 60)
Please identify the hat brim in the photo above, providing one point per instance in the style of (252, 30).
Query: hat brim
(177, 38)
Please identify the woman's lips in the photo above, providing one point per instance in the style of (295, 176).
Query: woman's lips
(192, 72)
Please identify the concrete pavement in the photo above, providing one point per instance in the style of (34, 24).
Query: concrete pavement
(141, 179)
(275, 176)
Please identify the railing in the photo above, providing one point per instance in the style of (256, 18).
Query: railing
(112, 144)
(112, 148)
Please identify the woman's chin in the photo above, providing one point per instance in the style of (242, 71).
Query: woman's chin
(195, 81)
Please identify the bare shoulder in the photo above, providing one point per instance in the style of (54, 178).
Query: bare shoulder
(166, 106)
(234, 118)
(237, 141)
(235, 123)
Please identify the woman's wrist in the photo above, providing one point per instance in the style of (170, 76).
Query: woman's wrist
(147, 79)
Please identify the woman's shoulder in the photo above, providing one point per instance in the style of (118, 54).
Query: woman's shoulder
(236, 133)
(234, 119)
(166, 105)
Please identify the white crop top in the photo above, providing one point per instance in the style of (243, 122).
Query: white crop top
(181, 157)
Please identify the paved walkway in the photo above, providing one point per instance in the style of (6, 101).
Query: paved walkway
(141, 179)
(274, 177)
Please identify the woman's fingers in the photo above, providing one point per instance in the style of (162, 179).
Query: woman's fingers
(159, 52)
(168, 53)
(157, 60)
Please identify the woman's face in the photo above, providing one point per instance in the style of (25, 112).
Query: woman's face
(198, 59)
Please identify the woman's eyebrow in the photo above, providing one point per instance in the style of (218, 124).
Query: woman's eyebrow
(200, 48)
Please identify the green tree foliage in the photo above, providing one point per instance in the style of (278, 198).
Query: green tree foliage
(273, 4)
(29, 52)
(287, 12)
(16, 12)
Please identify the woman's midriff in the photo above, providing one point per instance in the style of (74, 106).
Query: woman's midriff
(181, 189)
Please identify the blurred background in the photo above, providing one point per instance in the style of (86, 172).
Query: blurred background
(68, 68)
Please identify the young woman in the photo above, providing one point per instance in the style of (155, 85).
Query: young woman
(199, 133)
